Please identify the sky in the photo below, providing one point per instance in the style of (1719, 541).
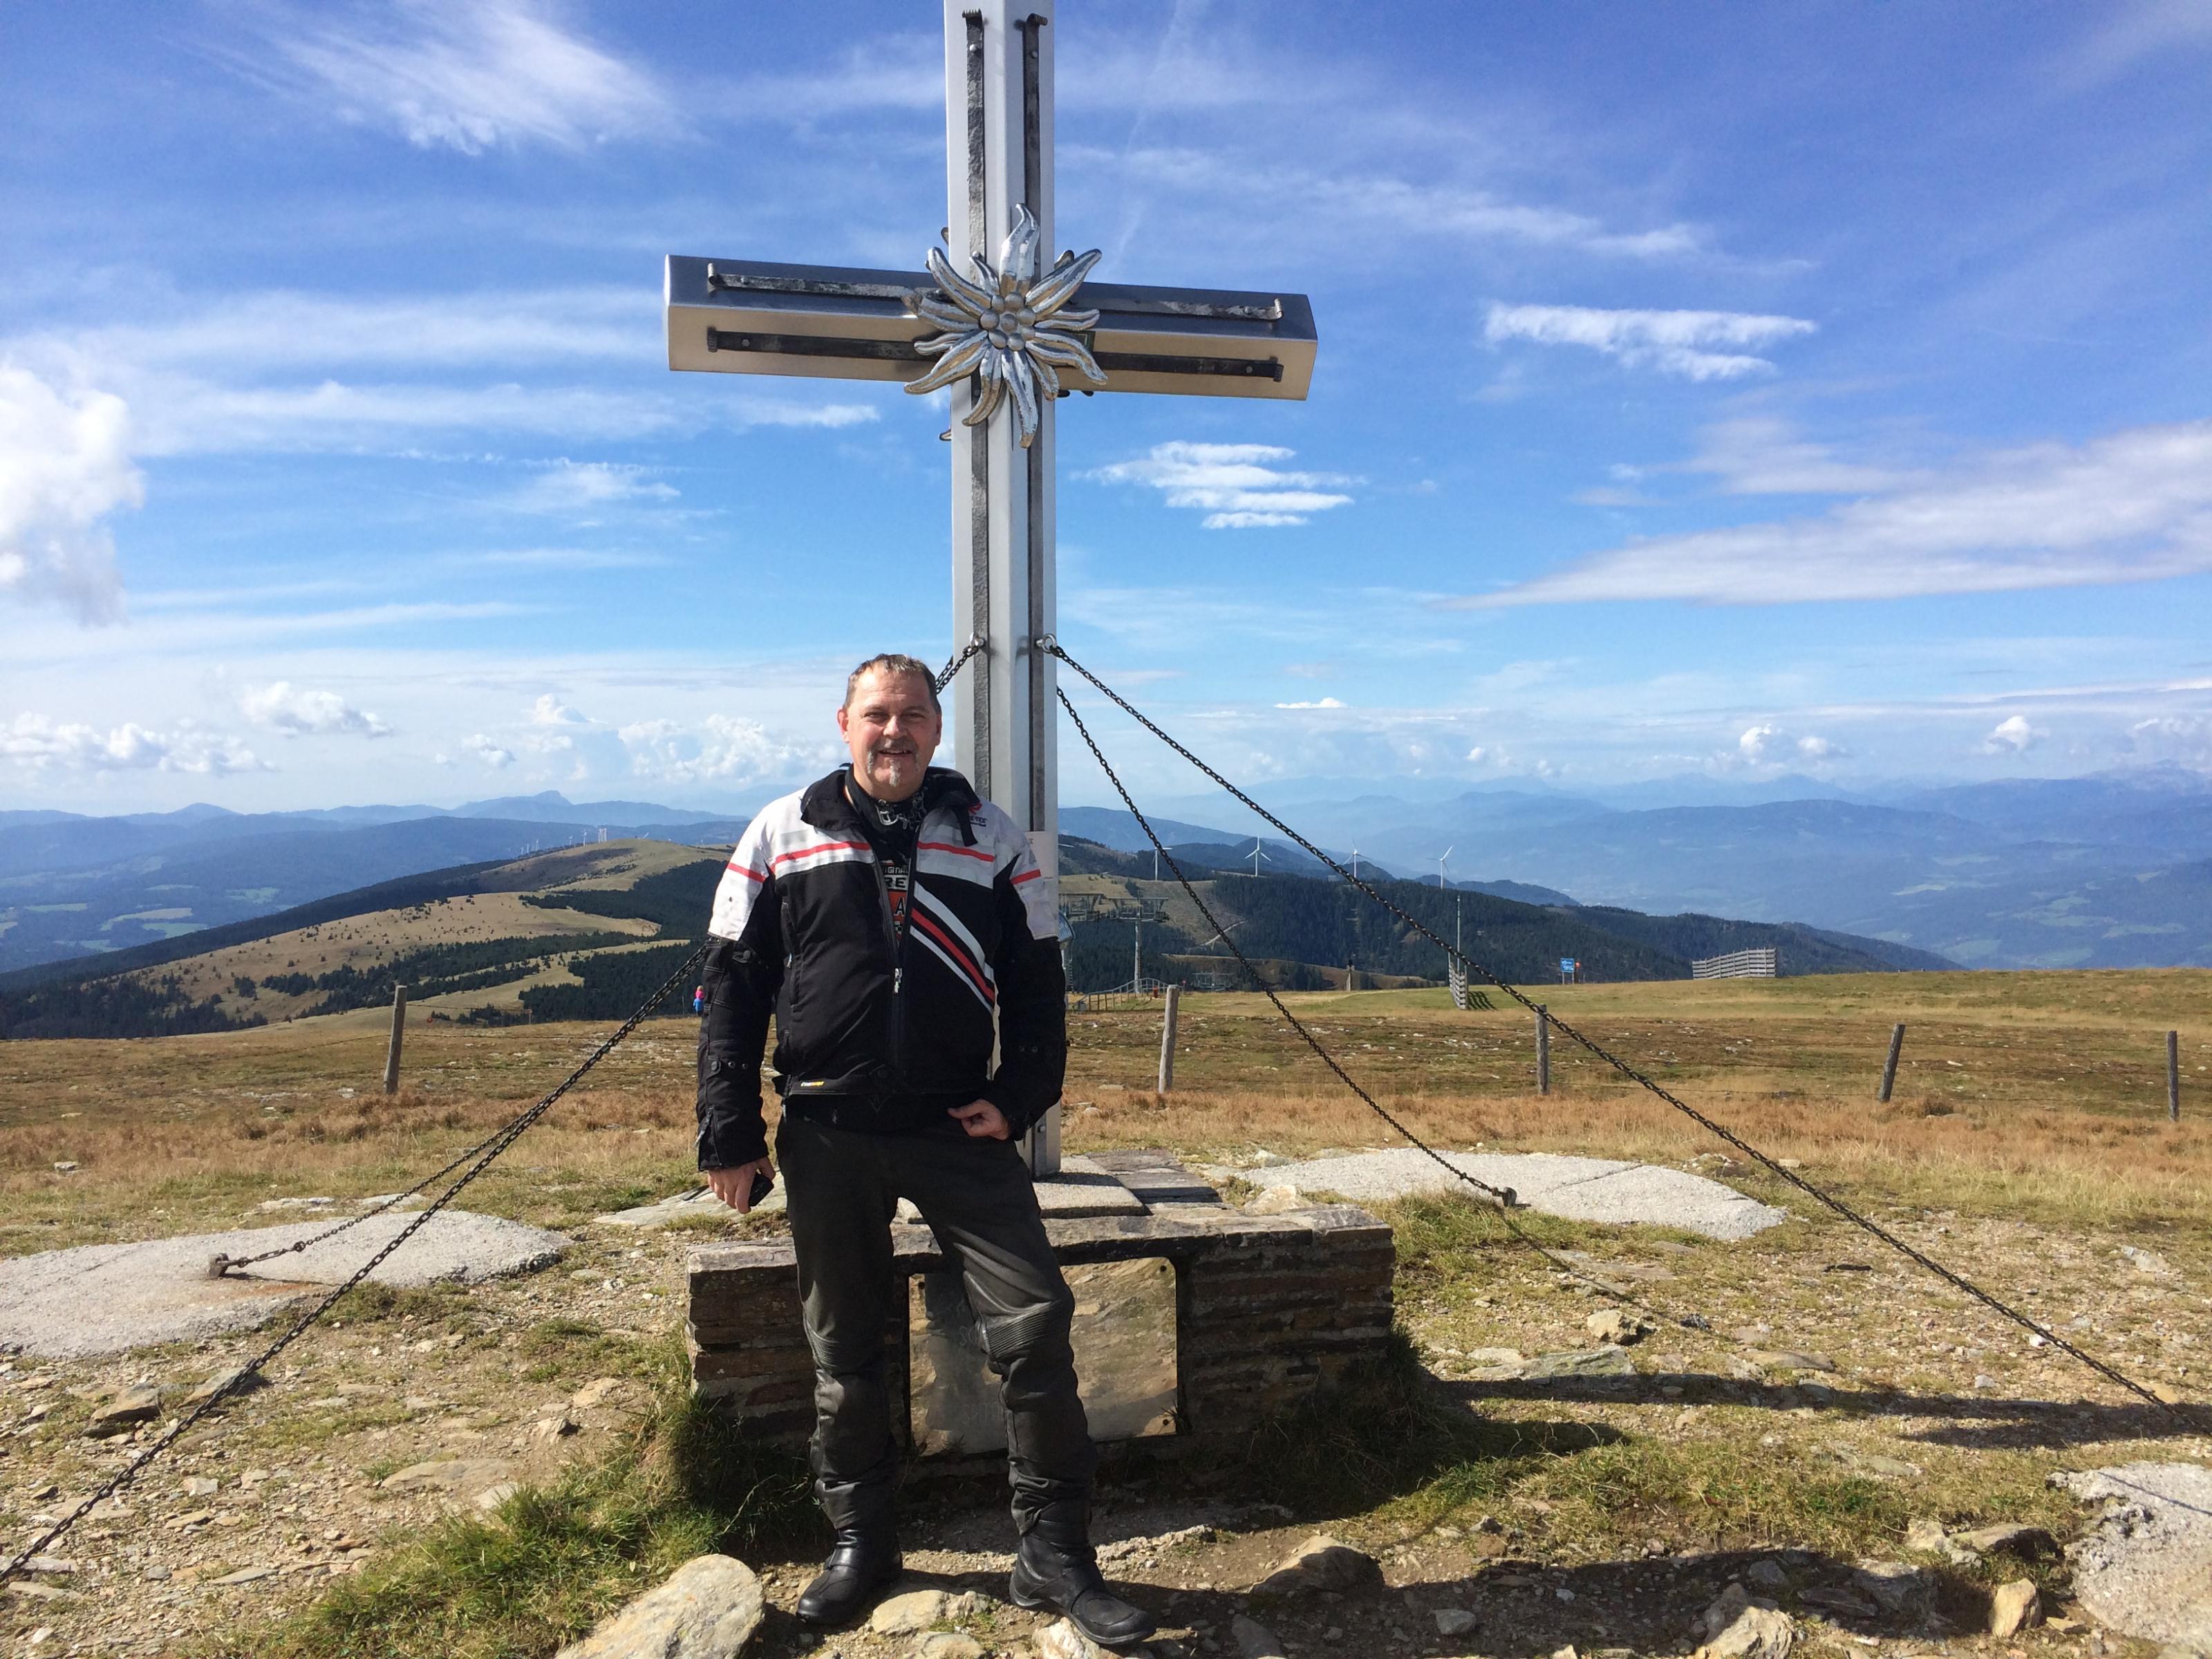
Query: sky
(1723, 391)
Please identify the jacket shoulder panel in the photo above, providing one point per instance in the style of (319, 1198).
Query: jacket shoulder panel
(1014, 860)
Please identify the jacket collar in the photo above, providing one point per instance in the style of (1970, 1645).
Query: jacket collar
(823, 803)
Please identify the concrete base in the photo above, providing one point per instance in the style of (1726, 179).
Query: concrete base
(1267, 1308)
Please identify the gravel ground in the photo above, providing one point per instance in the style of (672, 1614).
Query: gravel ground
(108, 1298)
(2147, 1567)
(1576, 1189)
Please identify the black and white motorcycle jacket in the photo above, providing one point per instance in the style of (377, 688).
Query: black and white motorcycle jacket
(802, 929)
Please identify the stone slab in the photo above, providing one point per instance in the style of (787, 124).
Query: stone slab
(109, 1298)
(1574, 1188)
(1082, 1189)
(2146, 1568)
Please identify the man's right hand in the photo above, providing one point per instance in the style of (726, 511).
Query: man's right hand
(735, 1187)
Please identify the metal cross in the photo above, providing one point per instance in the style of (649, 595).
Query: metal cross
(1010, 336)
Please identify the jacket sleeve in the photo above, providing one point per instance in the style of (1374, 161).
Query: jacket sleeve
(744, 971)
(1032, 995)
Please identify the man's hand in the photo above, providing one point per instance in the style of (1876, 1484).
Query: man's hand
(983, 1120)
(735, 1187)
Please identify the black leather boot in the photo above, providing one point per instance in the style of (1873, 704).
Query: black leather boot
(864, 1557)
(1055, 1567)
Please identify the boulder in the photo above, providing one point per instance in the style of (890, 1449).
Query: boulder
(1276, 1201)
(2014, 1607)
(124, 1411)
(2024, 1542)
(1064, 1641)
(948, 1644)
(450, 1474)
(1619, 1326)
(904, 1615)
(1740, 1626)
(1454, 1621)
(1254, 1640)
(707, 1608)
(1320, 1563)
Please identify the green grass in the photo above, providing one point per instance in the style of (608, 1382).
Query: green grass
(552, 1561)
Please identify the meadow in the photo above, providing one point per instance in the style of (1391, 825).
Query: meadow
(2028, 1143)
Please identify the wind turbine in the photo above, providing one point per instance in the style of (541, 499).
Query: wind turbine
(1257, 855)
(1441, 857)
(1355, 863)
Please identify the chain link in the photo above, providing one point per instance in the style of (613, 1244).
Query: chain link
(1865, 1223)
(958, 660)
(486, 1151)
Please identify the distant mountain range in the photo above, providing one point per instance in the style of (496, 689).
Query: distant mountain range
(2108, 871)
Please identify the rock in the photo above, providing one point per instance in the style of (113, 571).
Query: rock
(66, 1166)
(707, 1608)
(547, 1430)
(1492, 1357)
(1843, 1602)
(948, 1644)
(491, 1498)
(903, 1615)
(1322, 1563)
(1898, 1587)
(245, 1576)
(1925, 1535)
(1064, 1641)
(1619, 1326)
(1788, 1359)
(247, 1380)
(2142, 1260)
(1276, 1200)
(2146, 1567)
(1454, 1621)
(1264, 1160)
(1767, 1575)
(125, 1411)
(1254, 1640)
(1610, 1360)
(2027, 1543)
(2014, 1607)
(594, 1393)
(452, 1475)
(201, 1486)
(1739, 1626)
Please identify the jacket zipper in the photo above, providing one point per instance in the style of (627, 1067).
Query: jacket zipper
(898, 968)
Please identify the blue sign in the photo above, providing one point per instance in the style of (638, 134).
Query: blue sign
(1567, 965)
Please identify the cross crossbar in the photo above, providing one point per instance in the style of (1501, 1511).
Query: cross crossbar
(751, 317)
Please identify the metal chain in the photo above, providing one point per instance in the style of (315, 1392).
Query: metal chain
(1504, 1197)
(959, 660)
(1865, 1223)
(237, 1381)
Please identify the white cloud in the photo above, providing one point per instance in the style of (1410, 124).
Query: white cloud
(490, 753)
(65, 467)
(295, 711)
(1820, 749)
(1231, 483)
(2134, 507)
(572, 486)
(718, 750)
(1758, 455)
(2184, 737)
(549, 710)
(2014, 735)
(1318, 702)
(486, 74)
(1757, 741)
(1671, 342)
(37, 744)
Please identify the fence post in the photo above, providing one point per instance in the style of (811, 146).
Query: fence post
(1543, 1051)
(399, 1031)
(2173, 1077)
(1168, 1039)
(1889, 1066)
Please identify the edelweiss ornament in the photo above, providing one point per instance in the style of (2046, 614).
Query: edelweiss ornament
(1006, 327)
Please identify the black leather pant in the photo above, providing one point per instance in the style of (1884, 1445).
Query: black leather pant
(977, 1196)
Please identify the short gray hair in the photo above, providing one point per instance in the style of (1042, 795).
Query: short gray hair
(893, 662)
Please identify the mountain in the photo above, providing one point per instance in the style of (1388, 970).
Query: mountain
(551, 806)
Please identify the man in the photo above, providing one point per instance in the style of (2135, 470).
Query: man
(897, 927)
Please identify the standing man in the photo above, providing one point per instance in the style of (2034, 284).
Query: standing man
(897, 927)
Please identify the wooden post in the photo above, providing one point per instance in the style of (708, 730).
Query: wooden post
(1889, 1066)
(1543, 1051)
(1168, 1039)
(399, 1030)
(2174, 1076)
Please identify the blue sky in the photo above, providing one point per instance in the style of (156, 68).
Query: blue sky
(1718, 390)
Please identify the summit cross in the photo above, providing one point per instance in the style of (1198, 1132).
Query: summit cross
(1010, 332)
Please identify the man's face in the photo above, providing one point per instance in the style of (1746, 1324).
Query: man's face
(892, 731)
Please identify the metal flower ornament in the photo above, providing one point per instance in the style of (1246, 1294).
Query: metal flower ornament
(1006, 326)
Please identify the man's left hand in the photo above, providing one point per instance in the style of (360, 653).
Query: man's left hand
(983, 1120)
